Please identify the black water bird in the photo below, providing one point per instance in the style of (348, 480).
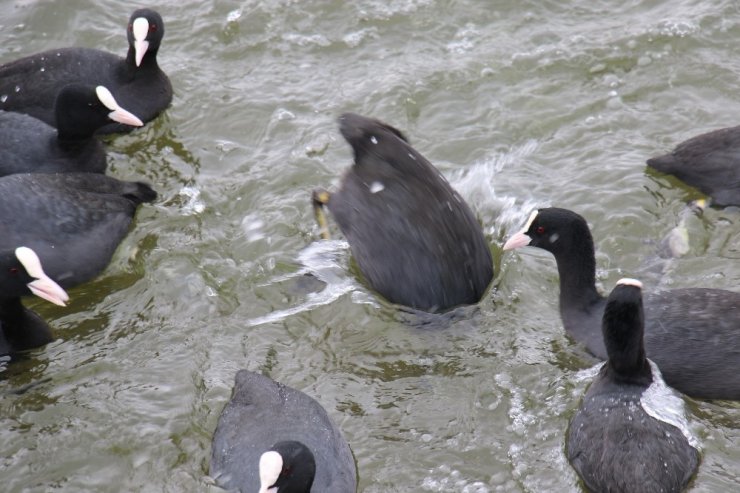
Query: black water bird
(690, 333)
(709, 162)
(621, 439)
(21, 274)
(30, 84)
(414, 238)
(72, 223)
(270, 435)
(28, 145)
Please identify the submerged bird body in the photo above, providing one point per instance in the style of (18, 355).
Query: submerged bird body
(414, 238)
(709, 162)
(73, 222)
(617, 440)
(263, 413)
(690, 333)
(29, 85)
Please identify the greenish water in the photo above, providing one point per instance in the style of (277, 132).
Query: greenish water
(520, 104)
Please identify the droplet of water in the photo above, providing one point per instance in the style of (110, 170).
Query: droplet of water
(599, 67)
(3, 98)
(234, 15)
(373, 139)
(644, 60)
(17, 88)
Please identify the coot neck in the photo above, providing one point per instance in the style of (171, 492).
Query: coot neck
(641, 375)
(22, 328)
(577, 271)
(73, 140)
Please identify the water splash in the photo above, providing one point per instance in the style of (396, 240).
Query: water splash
(664, 404)
(477, 185)
(194, 204)
(320, 259)
(234, 15)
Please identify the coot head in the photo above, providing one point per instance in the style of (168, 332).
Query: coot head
(288, 467)
(623, 329)
(81, 110)
(553, 229)
(21, 274)
(145, 32)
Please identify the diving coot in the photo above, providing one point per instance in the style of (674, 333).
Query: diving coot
(414, 238)
(30, 145)
(270, 435)
(691, 334)
(30, 84)
(73, 222)
(619, 439)
(709, 162)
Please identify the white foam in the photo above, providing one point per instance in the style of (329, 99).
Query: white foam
(194, 204)
(663, 403)
(234, 15)
(320, 260)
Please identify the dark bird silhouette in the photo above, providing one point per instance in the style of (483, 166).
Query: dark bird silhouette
(414, 238)
(691, 333)
(30, 84)
(617, 440)
(270, 435)
(73, 223)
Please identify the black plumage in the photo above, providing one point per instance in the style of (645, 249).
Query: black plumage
(709, 162)
(143, 88)
(613, 443)
(414, 238)
(690, 333)
(263, 413)
(73, 222)
(28, 145)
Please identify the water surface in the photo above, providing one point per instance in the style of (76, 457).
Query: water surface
(519, 103)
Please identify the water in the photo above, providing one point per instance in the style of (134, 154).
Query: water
(520, 104)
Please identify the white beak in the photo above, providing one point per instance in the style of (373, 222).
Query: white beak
(42, 285)
(117, 114)
(140, 29)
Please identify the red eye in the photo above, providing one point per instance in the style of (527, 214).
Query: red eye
(540, 230)
(152, 28)
(130, 27)
(13, 271)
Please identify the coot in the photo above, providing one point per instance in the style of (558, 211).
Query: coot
(276, 433)
(691, 333)
(619, 439)
(30, 145)
(21, 274)
(413, 236)
(73, 222)
(30, 84)
(709, 162)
